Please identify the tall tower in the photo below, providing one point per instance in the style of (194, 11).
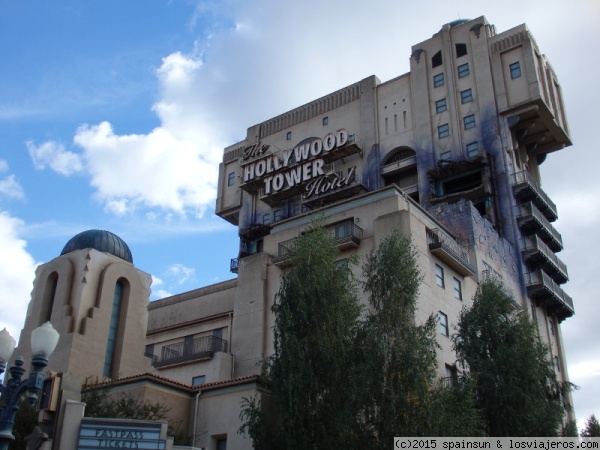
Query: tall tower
(98, 301)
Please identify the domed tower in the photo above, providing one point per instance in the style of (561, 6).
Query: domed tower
(98, 301)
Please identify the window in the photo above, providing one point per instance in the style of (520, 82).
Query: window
(343, 230)
(440, 106)
(439, 276)
(198, 380)
(446, 156)
(443, 131)
(296, 209)
(222, 444)
(436, 60)
(149, 352)
(461, 50)
(443, 318)
(457, 289)
(469, 122)
(557, 363)
(266, 218)
(277, 215)
(515, 70)
(463, 70)
(472, 149)
(451, 375)
(289, 136)
(111, 344)
(551, 327)
(438, 80)
(231, 179)
(325, 121)
(466, 96)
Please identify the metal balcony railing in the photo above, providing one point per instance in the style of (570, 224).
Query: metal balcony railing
(345, 235)
(531, 219)
(538, 253)
(180, 352)
(546, 291)
(526, 188)
(449, 250)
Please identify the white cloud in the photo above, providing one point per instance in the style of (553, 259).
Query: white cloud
(56, 156)
(181, 273)
(10, 187)
(17, 271)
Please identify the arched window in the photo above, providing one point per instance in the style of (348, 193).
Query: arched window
(48, 299)
(113, 329)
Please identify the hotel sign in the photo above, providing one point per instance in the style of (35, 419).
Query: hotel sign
(303, 165)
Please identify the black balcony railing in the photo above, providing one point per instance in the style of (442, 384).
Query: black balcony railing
(538, 254)
(547, 292)
(181, 352)
(531, 220)
(450, 251)
(526, 188)
(345, 235)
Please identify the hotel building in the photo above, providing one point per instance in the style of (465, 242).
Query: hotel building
(449, 153)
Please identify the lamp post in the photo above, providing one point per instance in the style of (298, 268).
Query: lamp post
(43, 343)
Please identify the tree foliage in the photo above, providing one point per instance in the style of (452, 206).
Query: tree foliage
(310, 373)
(592, 427)
(516, 387)
(342, 377)
(399, 357)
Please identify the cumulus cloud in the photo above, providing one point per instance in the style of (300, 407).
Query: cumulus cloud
(171, 168)
(17, 271)
(56, 156)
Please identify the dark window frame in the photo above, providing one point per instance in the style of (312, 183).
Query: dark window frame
(441, 106)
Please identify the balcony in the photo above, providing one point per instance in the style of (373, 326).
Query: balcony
(531, 220)
(351, 147)
(407, 160)
(345, 234)
(450, 251)
(234, 265)
(538, 255)
(527, 189)
(546, 292)
(194, 350)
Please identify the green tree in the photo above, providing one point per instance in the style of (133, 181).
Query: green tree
(453, 411)
(310, 374)
(516, 387)
(399, 355)
(592, 427)
(569, 429)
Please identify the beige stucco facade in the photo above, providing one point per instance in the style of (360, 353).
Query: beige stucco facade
(448, 153)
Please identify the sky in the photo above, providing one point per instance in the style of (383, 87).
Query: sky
(114, 115)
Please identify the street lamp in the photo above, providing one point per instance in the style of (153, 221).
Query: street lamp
(43, 343)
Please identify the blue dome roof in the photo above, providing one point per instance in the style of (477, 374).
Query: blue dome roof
(103, 241)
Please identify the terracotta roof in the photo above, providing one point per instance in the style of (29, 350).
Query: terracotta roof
(189, 387)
